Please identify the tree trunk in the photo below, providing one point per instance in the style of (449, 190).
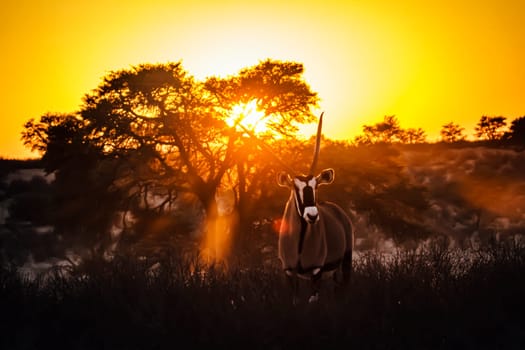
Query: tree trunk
(244, 206)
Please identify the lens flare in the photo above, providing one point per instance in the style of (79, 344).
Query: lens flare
(217, 244)
(279, 225)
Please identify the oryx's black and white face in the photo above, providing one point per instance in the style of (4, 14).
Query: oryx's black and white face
(304, 191)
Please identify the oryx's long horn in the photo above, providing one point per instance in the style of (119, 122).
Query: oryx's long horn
(317, 145)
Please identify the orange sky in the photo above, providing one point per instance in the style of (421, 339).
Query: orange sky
(426, 62)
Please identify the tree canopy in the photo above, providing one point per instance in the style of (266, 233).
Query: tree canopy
(490, 128)
(452, 132)
(389, 131)
(517, 131)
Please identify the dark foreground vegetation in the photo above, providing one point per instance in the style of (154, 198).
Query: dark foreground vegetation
(433, 298)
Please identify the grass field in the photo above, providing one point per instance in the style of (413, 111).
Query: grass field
(433, 298)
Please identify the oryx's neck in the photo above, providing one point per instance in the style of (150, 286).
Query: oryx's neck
(295, 224)
(291, 214)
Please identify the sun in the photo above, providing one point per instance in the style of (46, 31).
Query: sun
(248, 116)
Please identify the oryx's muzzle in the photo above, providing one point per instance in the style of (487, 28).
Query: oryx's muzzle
(305, 198)
(311, 214)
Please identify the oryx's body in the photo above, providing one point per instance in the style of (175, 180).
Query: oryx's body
(315, 239)
(324, 243)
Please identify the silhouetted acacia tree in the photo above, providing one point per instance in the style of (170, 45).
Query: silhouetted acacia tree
(452, 132)
(516, 135)
(490, 128)
(279, 89)
(413, 136)
(159, 124)
(389, 131)
(142, 136)
(286, 100)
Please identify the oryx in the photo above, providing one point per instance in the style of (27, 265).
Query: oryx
(315, 238)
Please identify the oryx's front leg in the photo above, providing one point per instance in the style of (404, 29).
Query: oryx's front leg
(316, 285)
(293, 282)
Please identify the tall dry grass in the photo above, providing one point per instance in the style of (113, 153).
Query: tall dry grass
(430, 298)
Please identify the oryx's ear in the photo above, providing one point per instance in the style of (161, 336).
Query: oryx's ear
(284, 180)
(325, 177)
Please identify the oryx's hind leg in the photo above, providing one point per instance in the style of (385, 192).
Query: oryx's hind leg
(337, 277)
(343, 274)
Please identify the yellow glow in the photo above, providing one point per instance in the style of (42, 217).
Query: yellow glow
(247, 115)
(426, 63)
(216, 245)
